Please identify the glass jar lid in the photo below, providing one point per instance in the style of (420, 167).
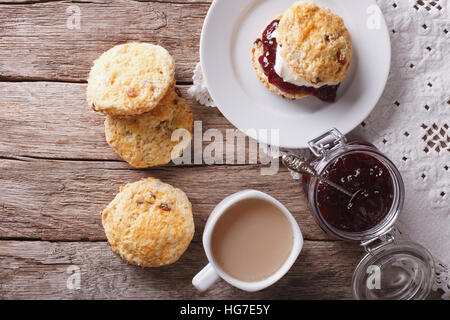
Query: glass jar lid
(394, 270)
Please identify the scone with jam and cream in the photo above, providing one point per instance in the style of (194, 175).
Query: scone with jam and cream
(306, 51)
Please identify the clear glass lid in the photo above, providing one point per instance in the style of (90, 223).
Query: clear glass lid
(394, 270)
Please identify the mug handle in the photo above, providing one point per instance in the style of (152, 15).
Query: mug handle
(205, 278)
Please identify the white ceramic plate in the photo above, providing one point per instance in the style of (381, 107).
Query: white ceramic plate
(229, 31)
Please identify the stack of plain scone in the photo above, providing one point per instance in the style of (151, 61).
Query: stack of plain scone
(134, 86)
(149, 223)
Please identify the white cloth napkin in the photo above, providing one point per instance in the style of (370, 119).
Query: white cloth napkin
(411, 123)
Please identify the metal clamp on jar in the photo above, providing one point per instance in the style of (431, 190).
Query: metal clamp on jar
(356, 194)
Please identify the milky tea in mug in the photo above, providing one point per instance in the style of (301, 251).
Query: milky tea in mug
(252, 240)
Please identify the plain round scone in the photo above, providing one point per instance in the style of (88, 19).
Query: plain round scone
(315, 43)
(257, 52)
(146, 140)
(130, 79)
(149, 223)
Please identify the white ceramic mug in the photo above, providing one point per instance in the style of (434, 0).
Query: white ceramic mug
(212, 272)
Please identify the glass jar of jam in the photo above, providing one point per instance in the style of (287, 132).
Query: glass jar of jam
(392, 269)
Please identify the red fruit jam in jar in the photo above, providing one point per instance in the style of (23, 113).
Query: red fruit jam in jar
(364, 171)
(369, 179)
(406, 268)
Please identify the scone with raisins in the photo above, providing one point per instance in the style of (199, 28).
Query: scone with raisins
(153, 138)
(130, 79)
(149, 223)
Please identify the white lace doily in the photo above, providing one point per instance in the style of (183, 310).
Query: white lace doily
(411, 123)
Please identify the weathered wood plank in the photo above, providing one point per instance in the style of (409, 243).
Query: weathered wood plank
(39, 270)
(63, 200)
(52, 120)
(36, 42)
(99, 1)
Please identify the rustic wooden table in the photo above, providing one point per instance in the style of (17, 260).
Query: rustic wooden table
(57, 173)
